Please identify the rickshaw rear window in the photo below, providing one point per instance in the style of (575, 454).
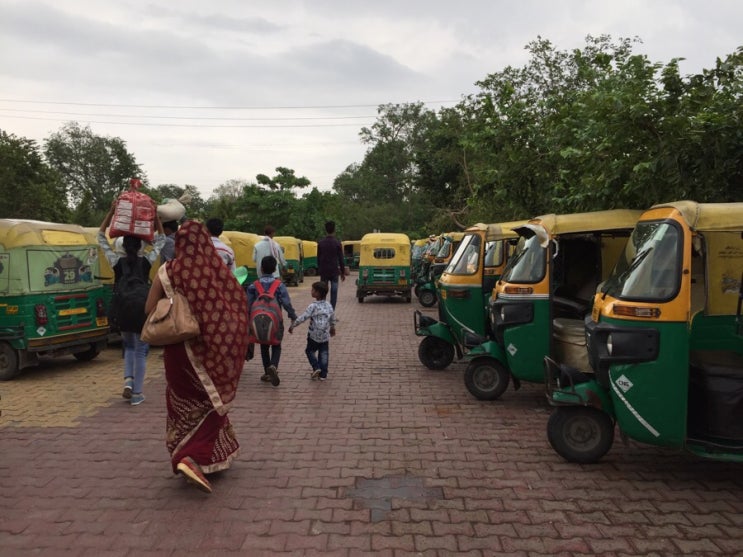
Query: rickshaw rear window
(383, 253)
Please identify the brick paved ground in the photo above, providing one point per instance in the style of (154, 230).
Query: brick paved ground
(384, 458)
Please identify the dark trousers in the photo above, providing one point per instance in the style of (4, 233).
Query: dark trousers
(270, 354)
(333, 285)
(318, 354)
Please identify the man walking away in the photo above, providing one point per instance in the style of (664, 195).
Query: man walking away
(330, 261)
(216, 227)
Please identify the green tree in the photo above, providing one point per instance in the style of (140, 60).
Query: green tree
(95, 169)
(29, 188)
(285, 179)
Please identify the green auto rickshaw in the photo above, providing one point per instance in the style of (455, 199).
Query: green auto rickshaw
(52, 302)
(539, 303)
(351, 253)
(426, 292)
(384, 266)
(309, 249)
(293, 273)
(664, 342)
(464, 290)
(417, 247)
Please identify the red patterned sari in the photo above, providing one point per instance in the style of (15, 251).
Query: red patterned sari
(202, 373)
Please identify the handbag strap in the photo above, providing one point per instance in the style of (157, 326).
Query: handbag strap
(165, 280)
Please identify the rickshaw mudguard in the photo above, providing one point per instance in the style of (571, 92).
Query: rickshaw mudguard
(589, 393)
(489, 349)
(439, 330)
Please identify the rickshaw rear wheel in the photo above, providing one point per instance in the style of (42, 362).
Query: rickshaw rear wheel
(486, 378)
(427, 298)
(580, 434)
(8, 362)
(417, 290)
(87, 355)
(435, 353)
(360, 299)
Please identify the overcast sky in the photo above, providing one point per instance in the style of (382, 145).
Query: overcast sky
(204, 92)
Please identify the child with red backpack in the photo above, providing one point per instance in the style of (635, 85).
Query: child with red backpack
(267, 296)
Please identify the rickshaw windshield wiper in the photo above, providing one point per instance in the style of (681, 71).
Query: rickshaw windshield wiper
(624, 274)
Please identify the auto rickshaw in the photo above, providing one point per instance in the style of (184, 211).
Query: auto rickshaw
(293, 273)
(427, 290)
(545, 291)
(664, 342)
(416, 256)
(429, 254)
(351, 253)
(464, 290)
(242, 243)
(384, 266)
(309, 249)
(52, 302)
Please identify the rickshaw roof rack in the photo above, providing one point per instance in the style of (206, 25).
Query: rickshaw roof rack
(708, 216)
(21, 232)
(612, 219)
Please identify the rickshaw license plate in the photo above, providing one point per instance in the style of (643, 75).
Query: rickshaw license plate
(402, 282)
(101, 321)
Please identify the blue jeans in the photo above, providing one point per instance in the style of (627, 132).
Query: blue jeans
(319, 361)
(333, 283)
(135, 359)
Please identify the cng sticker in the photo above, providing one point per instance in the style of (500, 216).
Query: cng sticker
(512, 349)
(41, 331)
(624, 383)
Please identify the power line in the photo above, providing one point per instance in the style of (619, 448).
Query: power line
(176, 107)
(187, 117)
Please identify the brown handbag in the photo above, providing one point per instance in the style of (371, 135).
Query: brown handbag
(171, 321)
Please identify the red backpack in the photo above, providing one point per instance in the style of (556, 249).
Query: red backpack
(265, 323)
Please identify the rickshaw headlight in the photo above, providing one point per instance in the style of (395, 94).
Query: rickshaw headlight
(609, 344)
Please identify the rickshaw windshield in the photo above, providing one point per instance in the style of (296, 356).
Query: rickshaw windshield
(493, 254)
(528, 264)
(466, 259)
(650, 266)
(445, 248)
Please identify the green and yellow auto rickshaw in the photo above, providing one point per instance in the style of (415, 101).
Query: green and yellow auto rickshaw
(384, 266)
(664, 342)
(309, 249)
(351, 253)
(416, 256)
(52, 302)
(464, 290)
(539, 303)
(426, 291)
(427, 257)
(293, 273)
(242, 243)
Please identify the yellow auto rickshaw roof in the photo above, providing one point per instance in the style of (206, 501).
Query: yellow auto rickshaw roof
(420, 243)
(708, 216)
(594, 221)
(309, 243)
(351, 242)
(235, 238)
(385, 238)
(497, 230)
(456, 236)
(16, 233)
(286, 240)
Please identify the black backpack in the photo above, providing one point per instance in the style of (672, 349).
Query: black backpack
(130, 294)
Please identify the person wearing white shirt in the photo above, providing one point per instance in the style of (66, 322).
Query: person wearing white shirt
(268, 246)
(216, 227)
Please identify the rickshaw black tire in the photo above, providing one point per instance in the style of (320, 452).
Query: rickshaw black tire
(408, 298)
(360, 299)
(427, 299)
(417, 290)
(580, 434)
(87, 355)
(8, 362)
(435, 353)
(486, 378)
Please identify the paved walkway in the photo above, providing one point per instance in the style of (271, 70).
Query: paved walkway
(384, 458)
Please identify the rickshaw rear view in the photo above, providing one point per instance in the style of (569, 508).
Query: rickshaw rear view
(52, 302)
(384, 266)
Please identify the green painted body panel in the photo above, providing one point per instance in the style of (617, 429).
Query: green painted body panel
(439, 330)
(589, 393)
(491, 349)
(310, 263)
(528, 344)
(650, 398)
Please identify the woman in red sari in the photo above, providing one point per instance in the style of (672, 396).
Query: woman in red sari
(202, 373)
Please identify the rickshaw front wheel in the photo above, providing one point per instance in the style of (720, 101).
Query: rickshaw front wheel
(486, 378)
(435, 353)
(427, 298)
(8, 362)
(580, 434)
